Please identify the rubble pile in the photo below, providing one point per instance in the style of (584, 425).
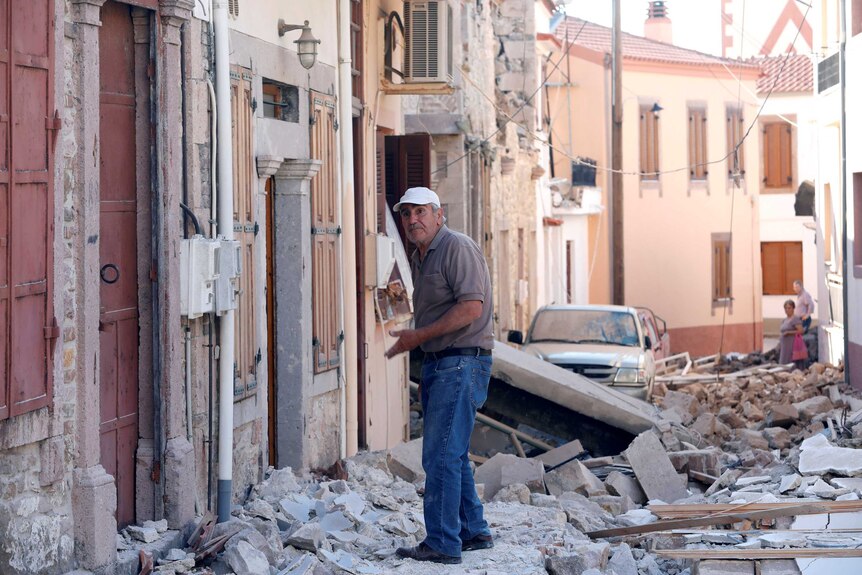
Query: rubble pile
(746, 445)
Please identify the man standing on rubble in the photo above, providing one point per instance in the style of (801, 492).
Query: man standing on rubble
(452, 325)
(804, 305)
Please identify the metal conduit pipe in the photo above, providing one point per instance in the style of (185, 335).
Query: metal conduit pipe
(225, 227)
(349, 418)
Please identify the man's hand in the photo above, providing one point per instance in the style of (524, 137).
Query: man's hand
(407, 339)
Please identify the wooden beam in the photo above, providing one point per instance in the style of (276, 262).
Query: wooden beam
(701, 509)
(416, 88)
(727, 519)
(735, 553)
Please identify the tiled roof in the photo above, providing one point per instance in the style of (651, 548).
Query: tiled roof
(596, 37)
(797, 74)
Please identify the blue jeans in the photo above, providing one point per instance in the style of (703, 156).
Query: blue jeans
(453, 388)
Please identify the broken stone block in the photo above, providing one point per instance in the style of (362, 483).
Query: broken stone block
(145, 534)
(789, 483)
(818, 456)
(782, 540)
(653, 469)
(729, 417)
(782, 415)
(244, 559)
(636, 517)
(724, 480)
(505, 469)
(723, 567)
(589, 556)
(751, 439)
(161, 525)
(752, 480)
(515, 493)
(702, 460)
(561, 454)
(258, 541)
(708, 425)
(752, 412)
(278, 484)
(622, 562)
(573, 476)
(722, 538)
(405, 461)
(297, 507)
(620, 484)
(812, 407)
(777, 437)
(260, 508)
(309, 537)
(684, 402)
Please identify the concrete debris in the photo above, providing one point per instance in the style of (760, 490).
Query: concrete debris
(774, 439)
(653, 469)
(818, 456)
(505, 469)
(405, 461)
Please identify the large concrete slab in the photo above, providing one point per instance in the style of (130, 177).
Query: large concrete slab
(570, 390)
(654, 470)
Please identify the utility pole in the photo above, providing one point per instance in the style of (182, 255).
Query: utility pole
(617, 163)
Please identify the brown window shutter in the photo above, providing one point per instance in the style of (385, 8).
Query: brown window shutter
(792, 264)
(772, 264)
(325, 264)
(26, 189)
(740, 130)
(778, 158)
(786, 156)
(643, 142)
(415, 160)
(244, 179)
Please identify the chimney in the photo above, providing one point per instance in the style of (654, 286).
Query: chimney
(657, 26)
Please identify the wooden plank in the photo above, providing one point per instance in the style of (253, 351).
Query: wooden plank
(724, 519)
(735, 553)
(700, 509)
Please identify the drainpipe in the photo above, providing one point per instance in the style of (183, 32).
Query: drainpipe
(225, 227)
(349, 419)
(845, 287)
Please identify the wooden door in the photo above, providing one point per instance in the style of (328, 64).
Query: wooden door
(118, 255)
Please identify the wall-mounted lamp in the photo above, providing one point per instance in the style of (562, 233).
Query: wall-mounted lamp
(306, 45)
(656, 109)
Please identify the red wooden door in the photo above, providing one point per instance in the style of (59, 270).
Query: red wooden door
(118, 255)
(26, 200)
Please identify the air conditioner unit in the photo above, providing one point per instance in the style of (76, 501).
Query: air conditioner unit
(428, 41)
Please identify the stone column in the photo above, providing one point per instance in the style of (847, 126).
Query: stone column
(294, 370)
(266, 168)
(179, 462)
(94, 495)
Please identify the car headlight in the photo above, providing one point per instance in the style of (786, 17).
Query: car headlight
(630, 376)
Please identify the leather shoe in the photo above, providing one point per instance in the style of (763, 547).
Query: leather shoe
(424, 553)
(477, 542)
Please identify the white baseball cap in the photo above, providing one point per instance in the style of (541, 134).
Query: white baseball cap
(418, 196)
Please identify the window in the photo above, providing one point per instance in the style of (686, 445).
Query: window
(735, 132)
(325, 230)
(246, 355)
(781, 263)
(777, 156)
(406, 164)
(233, 7)
(697, 143)
(356, 54)
(27, 137)
(280, 101)
(826, 222)
(721, 269)
(856, 17)
(649, 165)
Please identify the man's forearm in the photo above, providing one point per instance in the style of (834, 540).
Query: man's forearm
(460, 315)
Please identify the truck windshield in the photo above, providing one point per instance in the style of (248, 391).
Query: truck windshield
(585, 326)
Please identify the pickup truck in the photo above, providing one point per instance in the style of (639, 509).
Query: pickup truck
(605, 343)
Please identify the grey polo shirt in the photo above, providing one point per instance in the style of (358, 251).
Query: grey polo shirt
(452, 271)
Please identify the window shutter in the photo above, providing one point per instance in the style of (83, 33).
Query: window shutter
(325, 229)
(778, 155)
(721, 267)
(772, 264)
(792, 264)
(242, 115)
(26, 202)
(382, 206)
(649, 137)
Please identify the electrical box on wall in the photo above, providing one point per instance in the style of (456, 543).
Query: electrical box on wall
(230, 268)
(379, 260)
(198, 275)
